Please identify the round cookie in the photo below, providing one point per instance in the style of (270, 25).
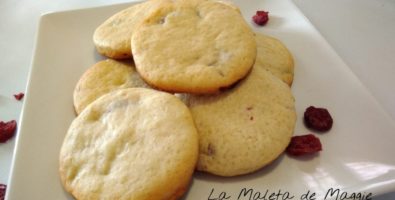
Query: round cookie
(274, 56)
(104, 77)
(244, 128)
(230, 3)
(196, 46)
(133, 143)
(112, 37)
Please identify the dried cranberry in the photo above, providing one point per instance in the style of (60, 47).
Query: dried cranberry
(261, 17)
(19, 96)
(318, 119)
(304, 144)
(7, 130)
(2, 191)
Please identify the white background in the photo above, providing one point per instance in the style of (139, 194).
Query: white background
(361, 32)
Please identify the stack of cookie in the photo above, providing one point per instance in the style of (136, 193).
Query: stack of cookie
(203, 92)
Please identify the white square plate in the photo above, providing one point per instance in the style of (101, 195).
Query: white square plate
(357, 153)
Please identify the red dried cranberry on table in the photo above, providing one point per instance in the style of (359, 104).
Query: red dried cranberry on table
(261, 17)
(318, 119)
(7, 130)
(2, 191)
(304, 144)
(19, 96)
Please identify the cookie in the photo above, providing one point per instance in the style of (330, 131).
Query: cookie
(196, 46)
(246, 127)
(229, 3)
(112, 37)
(274, 56)
(104, 77)
(133, 143)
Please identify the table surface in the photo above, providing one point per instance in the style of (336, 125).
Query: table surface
(360, 31)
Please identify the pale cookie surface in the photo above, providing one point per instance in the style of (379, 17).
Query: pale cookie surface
(195, 46)
(231, 4)
(102, 78)
(133, 143)
(244, 128)
(112, 37)
(274, 56)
